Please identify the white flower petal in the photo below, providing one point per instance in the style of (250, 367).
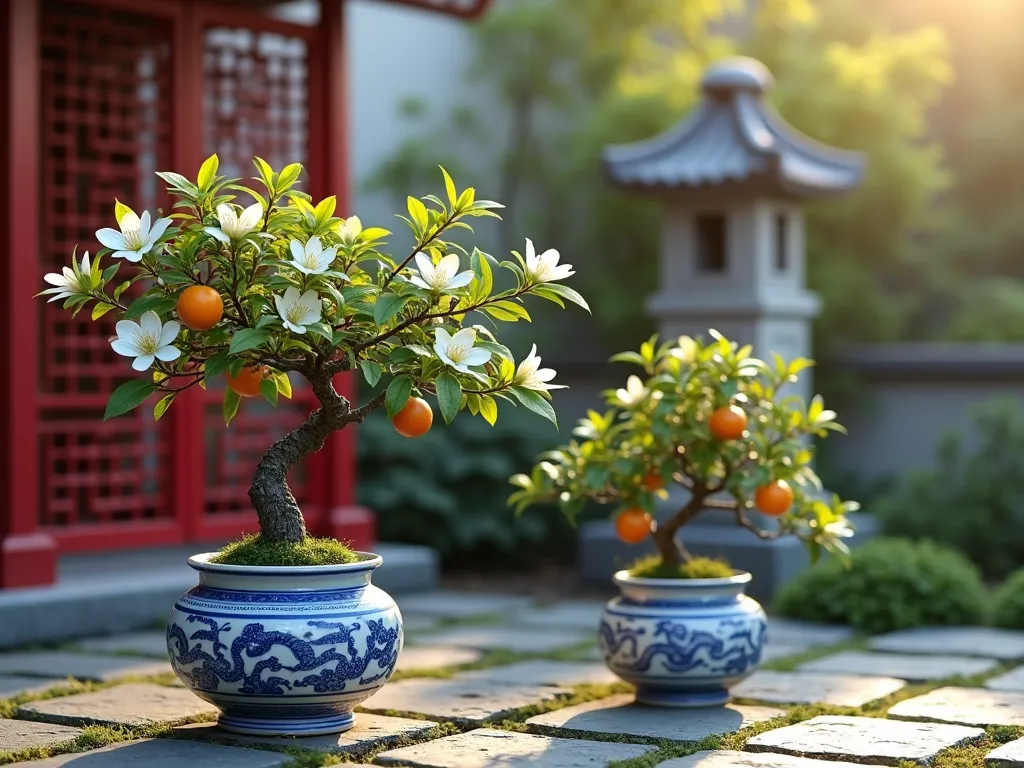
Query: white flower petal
(531, 253)
(291, 295)
(466, 337)
(549, 259)
(425, 266)
(442, 354)
(313, 245)
(111, 238)
(143, 362)
(54, 279)
(144, 224)
(298, 252)
(448, 266)
(460, 280)
(217, 233)
(560, 273)
(150, 324)
(168, 334)
(250, 217)
(442, 337)
(227, 218)
(125, 348)
(477, 357)
(129, 220)
(418, 282)
(127, 330)
(132, 256)
(168, 353)
(159, 227)
(282, 308)
(330, 254)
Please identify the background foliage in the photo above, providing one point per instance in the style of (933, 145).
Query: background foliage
(973, 498)
(1008, 610)
(891, 584)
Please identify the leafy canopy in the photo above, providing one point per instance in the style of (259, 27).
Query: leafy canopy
(306, 291)
(659, 424)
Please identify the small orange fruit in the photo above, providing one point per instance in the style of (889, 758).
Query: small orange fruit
(727, 423)
(200, 307)
(414, 419)
(247, 382)
(774, 498)
(633, 525)
(653, 481)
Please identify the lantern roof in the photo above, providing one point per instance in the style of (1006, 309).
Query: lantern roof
(734, 139)
(463, 8)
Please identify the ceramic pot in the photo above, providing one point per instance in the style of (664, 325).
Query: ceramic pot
(682, 642)
(285, 650)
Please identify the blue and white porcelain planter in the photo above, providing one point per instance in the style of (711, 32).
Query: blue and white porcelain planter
(682, 642)
(285, 650)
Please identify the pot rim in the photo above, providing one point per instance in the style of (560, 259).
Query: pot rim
(368, 561)
(738, 578)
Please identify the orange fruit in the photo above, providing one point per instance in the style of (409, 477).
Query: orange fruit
(247, 382)
(653, 481)
(633, 525)
(728, 423)
(200, 307)
(774, 498)
(414, 419)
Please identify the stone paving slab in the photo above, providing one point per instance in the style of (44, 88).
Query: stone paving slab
(130, 704)
(726, 758)
(79, 665)
(864, 739)
(1008, 681)
(167, 753)
(545, 672)
(460, 605)
(418, 622)
(575, 615)
(12, 685)
(969, 706)
(621, 716)
(805, 634)
(22, 734)
(1009, 755)
(523, 639)
(809, 687)
(775, 651)
(488, 748)
(907, 666)
(471, 701)
(369, 731)
(435, 657)
(966, 641)
(152, 644)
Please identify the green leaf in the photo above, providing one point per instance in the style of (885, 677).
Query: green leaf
(489, 409)
(265, 171)
(128, 396)
(247, 338)
(418, 213)
(216, 365)
(177, 181)
(268, 388)
(207, 172)
(155, 303)
(485, 278)
(284, 384)
(449, 187)
(371, 372)
(387, 306)
(289, 174)
(162, 405)
(231, 401)
(449, 395)
(101, 309)
(535, 403)
(398, 393)
(565, 292)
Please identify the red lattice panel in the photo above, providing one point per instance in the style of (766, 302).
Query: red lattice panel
(256, 103)
(105, 116)
(234, 452)
(102, 472)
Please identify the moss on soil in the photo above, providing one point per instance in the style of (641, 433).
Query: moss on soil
(254, 550)
(652, 567)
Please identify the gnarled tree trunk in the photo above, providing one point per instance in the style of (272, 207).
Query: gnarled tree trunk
(278, 512)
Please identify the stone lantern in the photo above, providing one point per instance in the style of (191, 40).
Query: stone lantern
(732, 176)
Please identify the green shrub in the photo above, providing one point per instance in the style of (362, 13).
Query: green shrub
(1008, 608)
(973, 498)
(447, 490)
(890, 584)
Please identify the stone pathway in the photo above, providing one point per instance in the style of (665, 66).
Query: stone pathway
(496, 681)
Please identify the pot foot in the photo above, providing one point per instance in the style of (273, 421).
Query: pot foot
(662, 697)
(297, 726)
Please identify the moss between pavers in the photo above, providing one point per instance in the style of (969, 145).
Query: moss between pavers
(790, 663)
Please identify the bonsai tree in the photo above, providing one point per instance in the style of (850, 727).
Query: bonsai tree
(279, 285)
(714, 421)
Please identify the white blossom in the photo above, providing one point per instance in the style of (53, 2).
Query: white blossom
(442, 277)
(146, 340)
(298, 311)
(349, 229)
(313, 259)
(685, 350)
(530, 375)
(70, 281)
(634, 392)
(136, 237)
(544, 268)
(458, 351)
(233, 226)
